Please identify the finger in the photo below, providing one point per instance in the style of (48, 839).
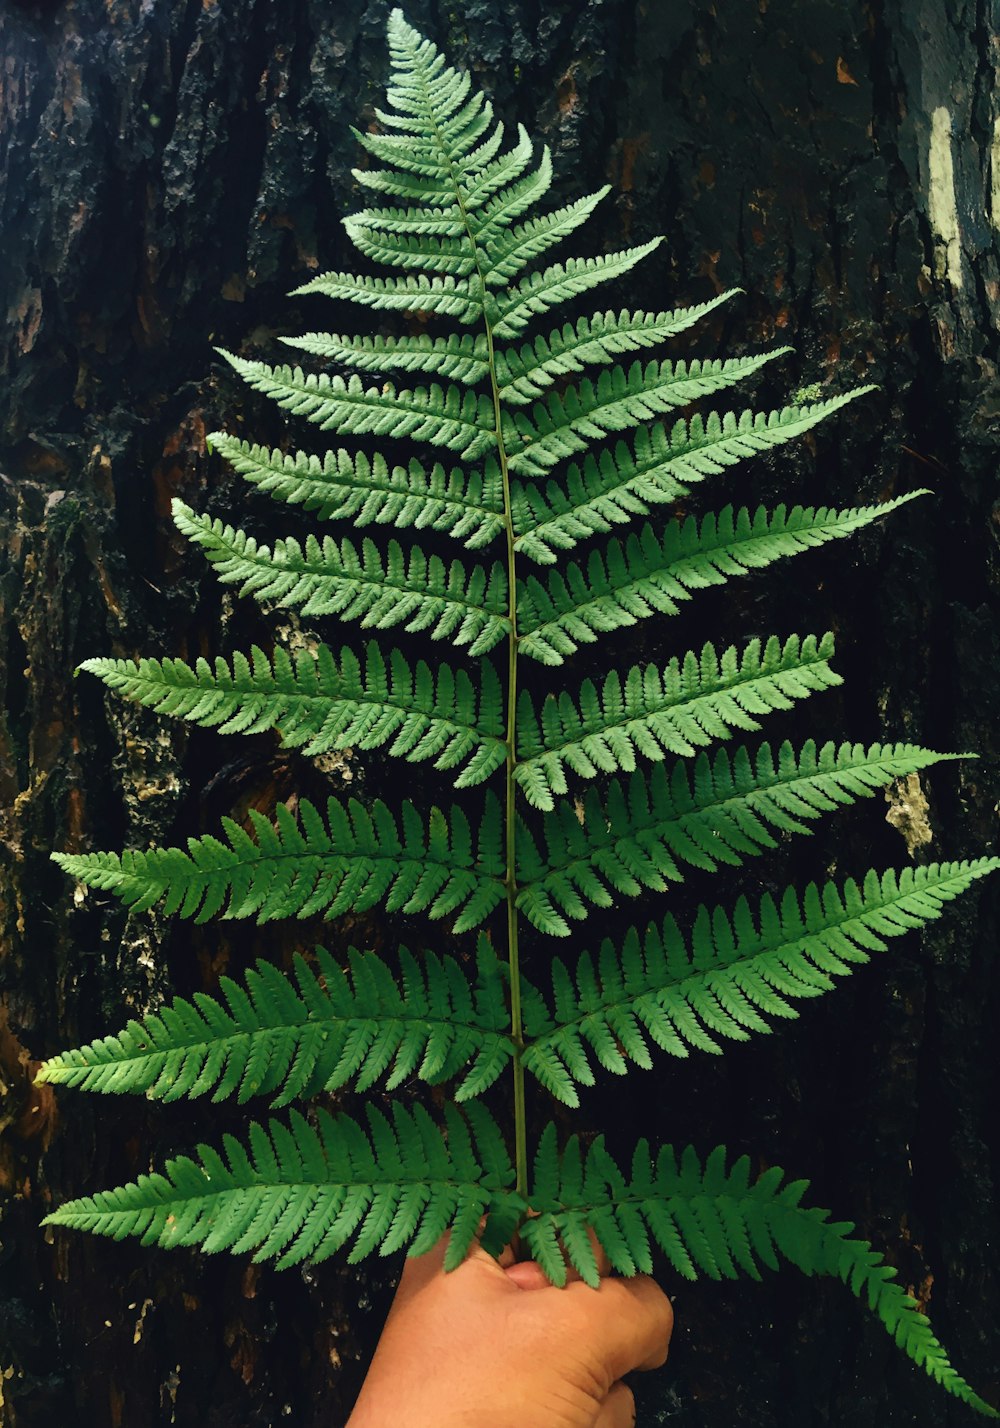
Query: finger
(618, 1409)
(628, 1322)
(528, 1275)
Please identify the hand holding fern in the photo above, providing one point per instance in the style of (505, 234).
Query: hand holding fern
(490, 1346)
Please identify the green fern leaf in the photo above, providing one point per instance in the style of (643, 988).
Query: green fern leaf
(419, 593)
(722, 811)
(303, 1191)
(650, 574)
(733, 973)
(525, 373)
(368, 491)
(414, 155)
(540, 292)
(459, 358)
(319, 702)
(442, 222)
(495, 217)
(417, 254)
(508, 253)
(445, 297)
(567, 423)
(613, 487)
(356, 859)
(283, 1039)
(446, 417)
(715, 1221)
(651, 712)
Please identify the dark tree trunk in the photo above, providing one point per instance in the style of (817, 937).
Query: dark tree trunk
(168, 169)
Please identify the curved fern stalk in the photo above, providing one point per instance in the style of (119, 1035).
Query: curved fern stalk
(555, 436)
(327, 1031)
(727, 978)
(715, 1221)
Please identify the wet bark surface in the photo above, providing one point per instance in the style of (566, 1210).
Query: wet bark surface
(168, 170)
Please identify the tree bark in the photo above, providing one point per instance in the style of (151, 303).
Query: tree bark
(168, 169)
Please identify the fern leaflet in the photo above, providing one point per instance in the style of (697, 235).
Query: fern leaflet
(722, 812)
(525, 373)
(302, 1192)
(418, 592)
(371, 492)
(319, 702)
(711, 1220)
(613, 487)
(651, 574)
(733, 972)
(651, 712)
(283, 1040)
(355, 858)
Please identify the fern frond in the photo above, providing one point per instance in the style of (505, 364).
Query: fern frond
(713, 1220)
(418, 592)
(461, 358)
(721, 811)
(368, 491)
(329, 1027)
(525, 373)
(320, 702)
(445, 297)
(540, 292)
(615, 486)
(568, 422)
(303, 1191)
(442, 416)
(729, 977)
(676, 710)
(354, 859)
(651, 574)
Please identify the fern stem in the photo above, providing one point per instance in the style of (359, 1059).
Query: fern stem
(510, 739)
(510, 743)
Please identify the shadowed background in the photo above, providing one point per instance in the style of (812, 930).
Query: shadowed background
(168, 170)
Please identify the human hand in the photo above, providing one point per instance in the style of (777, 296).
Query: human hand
(495, 1345)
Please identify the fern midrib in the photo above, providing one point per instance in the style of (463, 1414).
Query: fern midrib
(211, 1038)
(298, 1185)
(510, 739)
(300, 856)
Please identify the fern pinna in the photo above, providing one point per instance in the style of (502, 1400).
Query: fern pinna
(562, 461)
